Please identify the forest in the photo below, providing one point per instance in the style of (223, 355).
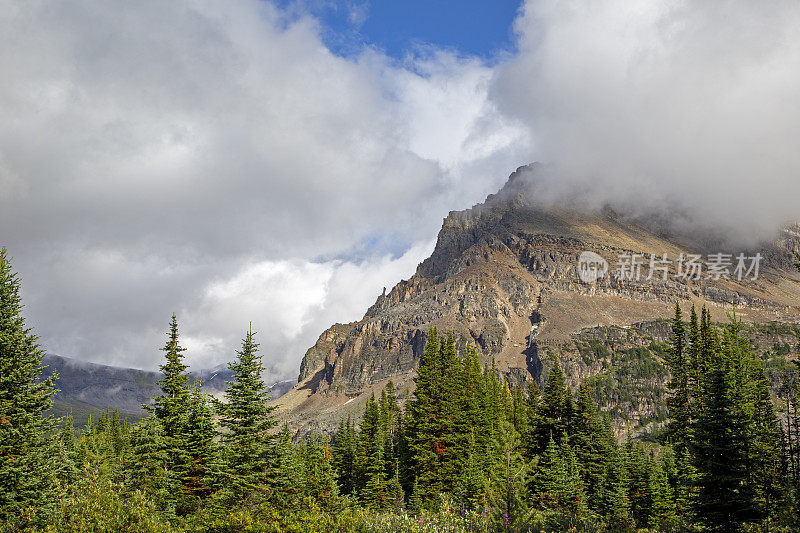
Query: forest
(466, 452)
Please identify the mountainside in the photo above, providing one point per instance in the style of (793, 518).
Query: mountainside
(503, 278)
(88, 388)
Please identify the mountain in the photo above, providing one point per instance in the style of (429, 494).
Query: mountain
(503, 278)
(88, 388)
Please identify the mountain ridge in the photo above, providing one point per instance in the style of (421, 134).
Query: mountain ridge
(88, 388)
(509, 264)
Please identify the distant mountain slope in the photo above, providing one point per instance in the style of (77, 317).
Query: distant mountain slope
(503, 278)
(88, 388)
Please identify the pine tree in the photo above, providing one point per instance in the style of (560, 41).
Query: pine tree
(28, 453)
(555, 411)
(247, 417)
(507, 490)
(591, 445)
(471, 486)
(201, 449)
(320, 480)
(663, 514)
(425, 423)
(557, 485)
(172, 406)
(679, 428)
(68, 456)
(149, 471)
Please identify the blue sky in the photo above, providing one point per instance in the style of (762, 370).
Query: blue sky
(479, 28)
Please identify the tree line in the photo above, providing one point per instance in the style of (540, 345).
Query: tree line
(465, 451)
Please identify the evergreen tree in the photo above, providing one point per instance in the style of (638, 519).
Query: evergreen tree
(533, 410)
(591, 445)
(471, 486)
(679, 428)
(614, 502)
(201, 449)
(289, 484)
(507, 489)
(247, 417)
(725, 499)
(68, 456)
(555, 411)
(172, 406)
(149, 471)
(663, 513)
(640, 468)
(28, 453)
(452, 429)
(425, 423)
(369, 450)
(320, 479)
(344, 456)
(557, 485)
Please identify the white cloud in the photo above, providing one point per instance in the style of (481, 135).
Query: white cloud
(207, 157)
(289, 303)
(661, 104)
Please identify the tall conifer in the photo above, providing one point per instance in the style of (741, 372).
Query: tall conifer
(247, 416)
(28, 451)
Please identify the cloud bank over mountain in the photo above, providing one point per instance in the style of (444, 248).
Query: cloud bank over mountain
(664, 106)
(217, 160)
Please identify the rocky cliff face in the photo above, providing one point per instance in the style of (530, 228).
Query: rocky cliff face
(503, 278)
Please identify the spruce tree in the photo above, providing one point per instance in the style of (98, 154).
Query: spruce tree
(555, 411)
(470, 488)
(369, 452)
(247, 416)
(201, 448)
(557, 485)
(453, 428)
(28, 452)
(592, 447)
(640, 468)
(319, 477)
(289, 484)
(149, 471)
(68, 455)
(507, 490)
(725, 499)
(663, 513)
(344, 456)
(172, 406)
(679, 428)
(425, 423)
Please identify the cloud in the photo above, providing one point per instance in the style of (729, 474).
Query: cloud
(219, 161)
(290, 303)
(663, 106)
(216, 158)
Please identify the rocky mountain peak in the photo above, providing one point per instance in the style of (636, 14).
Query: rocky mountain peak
(503, 278)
